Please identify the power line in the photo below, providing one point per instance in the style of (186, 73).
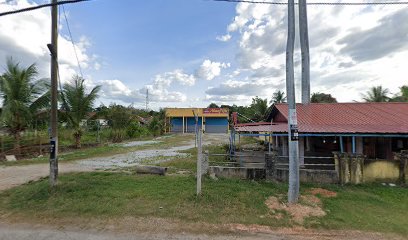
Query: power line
(41, 6)
(72, 41)
(318, 3)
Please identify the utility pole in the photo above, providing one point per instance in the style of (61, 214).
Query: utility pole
(304, 46)
(293, 137)
(54, 92)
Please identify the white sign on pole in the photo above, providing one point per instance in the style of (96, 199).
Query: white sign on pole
(294, 134)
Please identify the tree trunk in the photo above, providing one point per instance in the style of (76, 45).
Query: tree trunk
(17, 146)
(77, 137)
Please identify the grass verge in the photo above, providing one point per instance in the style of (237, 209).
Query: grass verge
(105, 195)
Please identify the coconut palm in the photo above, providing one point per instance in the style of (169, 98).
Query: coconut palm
(278, 97)
(76, 104)
(23, 96)
(377, 94)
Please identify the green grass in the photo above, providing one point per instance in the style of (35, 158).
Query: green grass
(189, 162)
(104, 195)
(117, 195)
(367, 207)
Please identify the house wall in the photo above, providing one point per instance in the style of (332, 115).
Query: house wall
(381, 170)
(279, 118)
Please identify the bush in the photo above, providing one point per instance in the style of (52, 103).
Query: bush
(117, 135)
(135, 130)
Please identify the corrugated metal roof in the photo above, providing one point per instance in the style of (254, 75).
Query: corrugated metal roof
(282, 127)
(342, 118)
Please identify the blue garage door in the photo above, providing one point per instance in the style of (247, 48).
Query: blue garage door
(190, 124)
(176, 124)
(216, 125)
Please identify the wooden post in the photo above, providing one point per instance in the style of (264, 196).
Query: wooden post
(199, 155)
(337, 165)
(402, 158)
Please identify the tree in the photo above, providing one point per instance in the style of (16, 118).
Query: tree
(402, 96)
(322, 98)
(213, 105)
(377, 94)
(258, 108)
(156, 126)
(23, 96)
(76, 104)
(404, 91)
(278, 97)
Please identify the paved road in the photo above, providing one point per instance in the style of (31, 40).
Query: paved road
(30, 232)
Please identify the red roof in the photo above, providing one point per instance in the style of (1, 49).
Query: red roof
(389, 118)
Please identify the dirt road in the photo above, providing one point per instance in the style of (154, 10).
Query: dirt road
(11, 176)
(16, 175)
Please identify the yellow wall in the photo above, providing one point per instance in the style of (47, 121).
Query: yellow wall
(188, 112)
(381, 170)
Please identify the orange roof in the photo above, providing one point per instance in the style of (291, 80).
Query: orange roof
(389, 118)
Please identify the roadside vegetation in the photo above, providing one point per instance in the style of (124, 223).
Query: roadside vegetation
(224, 201)
(24, 116)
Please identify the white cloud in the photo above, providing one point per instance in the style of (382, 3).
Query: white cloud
(224, 38)
(158, 90)
(167, 78)
(209, 70)
(25, 36)
(352, 49)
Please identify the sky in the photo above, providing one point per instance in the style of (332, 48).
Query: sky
(189, 53)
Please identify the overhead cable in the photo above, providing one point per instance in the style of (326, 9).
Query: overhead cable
(72, 41)
(319, 3)
(41, 6)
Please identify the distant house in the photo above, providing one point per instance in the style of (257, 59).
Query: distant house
(144, 120)
(376, 130)
(210, 120)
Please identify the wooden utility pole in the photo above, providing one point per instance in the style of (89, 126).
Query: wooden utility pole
(293, 191)
(304, 46)
(54, 92)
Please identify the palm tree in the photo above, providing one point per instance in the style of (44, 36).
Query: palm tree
(258, 108)
(377, 94)
(76, 104)
(23, 96)
(278, 97)
(322, 98)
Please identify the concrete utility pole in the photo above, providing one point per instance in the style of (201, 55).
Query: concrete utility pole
(293, 192)
(54, 92)
(304, 46)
